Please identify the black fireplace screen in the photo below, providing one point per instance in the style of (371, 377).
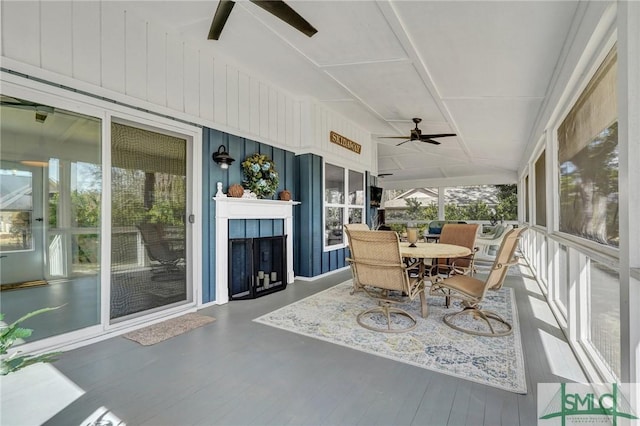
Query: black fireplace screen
(257, 266)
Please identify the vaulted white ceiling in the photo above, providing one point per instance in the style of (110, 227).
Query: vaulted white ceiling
(480, 69)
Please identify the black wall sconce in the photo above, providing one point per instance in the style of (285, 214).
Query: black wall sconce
(222, 157)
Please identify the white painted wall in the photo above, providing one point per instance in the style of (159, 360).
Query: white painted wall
(323, 121)
(103, 48)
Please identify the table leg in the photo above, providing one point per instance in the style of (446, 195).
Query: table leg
(423, 294)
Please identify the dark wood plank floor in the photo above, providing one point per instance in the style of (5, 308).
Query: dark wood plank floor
(238, 372)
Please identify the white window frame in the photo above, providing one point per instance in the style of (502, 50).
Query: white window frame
(345, 206)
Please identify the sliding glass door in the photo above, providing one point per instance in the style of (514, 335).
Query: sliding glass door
(50, 204)
(148, 221)
(52, 179)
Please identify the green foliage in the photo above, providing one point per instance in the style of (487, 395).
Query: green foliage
(507, 208)
(85, 208)
(166, 212)
(431, 212)
(414, 209)
(454, 212)
(478, 210)
(398, 227)
(8, 336)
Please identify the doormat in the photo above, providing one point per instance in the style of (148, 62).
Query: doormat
(157, 333)
(26, 284)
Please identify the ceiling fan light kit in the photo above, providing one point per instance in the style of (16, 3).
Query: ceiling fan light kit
(277, 8)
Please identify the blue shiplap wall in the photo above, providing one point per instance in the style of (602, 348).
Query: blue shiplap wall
(239, 148)
(309, 258)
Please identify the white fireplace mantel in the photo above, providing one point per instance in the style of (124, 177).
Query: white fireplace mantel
(229, 208)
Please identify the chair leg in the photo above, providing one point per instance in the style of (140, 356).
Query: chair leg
(387, 311)
(484, 315)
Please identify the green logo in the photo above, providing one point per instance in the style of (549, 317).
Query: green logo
(567, 404)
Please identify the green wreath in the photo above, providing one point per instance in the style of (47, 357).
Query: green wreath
(260, 175)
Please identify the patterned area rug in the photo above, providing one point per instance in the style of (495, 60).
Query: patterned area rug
(494, 361)
(157, 333)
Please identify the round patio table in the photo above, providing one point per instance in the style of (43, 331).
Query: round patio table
(431, 251)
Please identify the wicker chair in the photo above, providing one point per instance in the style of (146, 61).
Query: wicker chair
(381, 273)
(357, 227)
(354, 227)
(471, 291)
(460, 235)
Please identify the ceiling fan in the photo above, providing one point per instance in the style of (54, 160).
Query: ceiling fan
(276, 7)
(416, 135)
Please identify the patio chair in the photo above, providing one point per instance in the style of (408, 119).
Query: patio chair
(381, 273)
(357, 227)
(161, 250)
(489, 242)
(472, 291)
(460, 235)
(354, 227)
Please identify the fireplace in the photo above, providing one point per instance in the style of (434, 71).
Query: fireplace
(257, 266)
(228, 208)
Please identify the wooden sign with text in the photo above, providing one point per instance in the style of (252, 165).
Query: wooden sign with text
(345, 142)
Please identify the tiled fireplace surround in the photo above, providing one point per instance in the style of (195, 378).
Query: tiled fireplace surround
(228, 208)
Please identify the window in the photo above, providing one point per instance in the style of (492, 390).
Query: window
(604, 314)
(563, 278)
(526, 199)
(16, 216)
(588, 160)
(541, 195)
(344, 202)
(482, 202)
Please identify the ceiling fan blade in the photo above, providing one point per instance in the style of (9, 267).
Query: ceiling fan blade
(394, 137)
(439, 135)
(427, 140)
(283, 11)
(408, 140)
(220, 18)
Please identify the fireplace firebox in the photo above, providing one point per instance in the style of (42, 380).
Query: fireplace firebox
(257, 266)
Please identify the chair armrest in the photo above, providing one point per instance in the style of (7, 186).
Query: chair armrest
(512, 262)
(371, 263)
